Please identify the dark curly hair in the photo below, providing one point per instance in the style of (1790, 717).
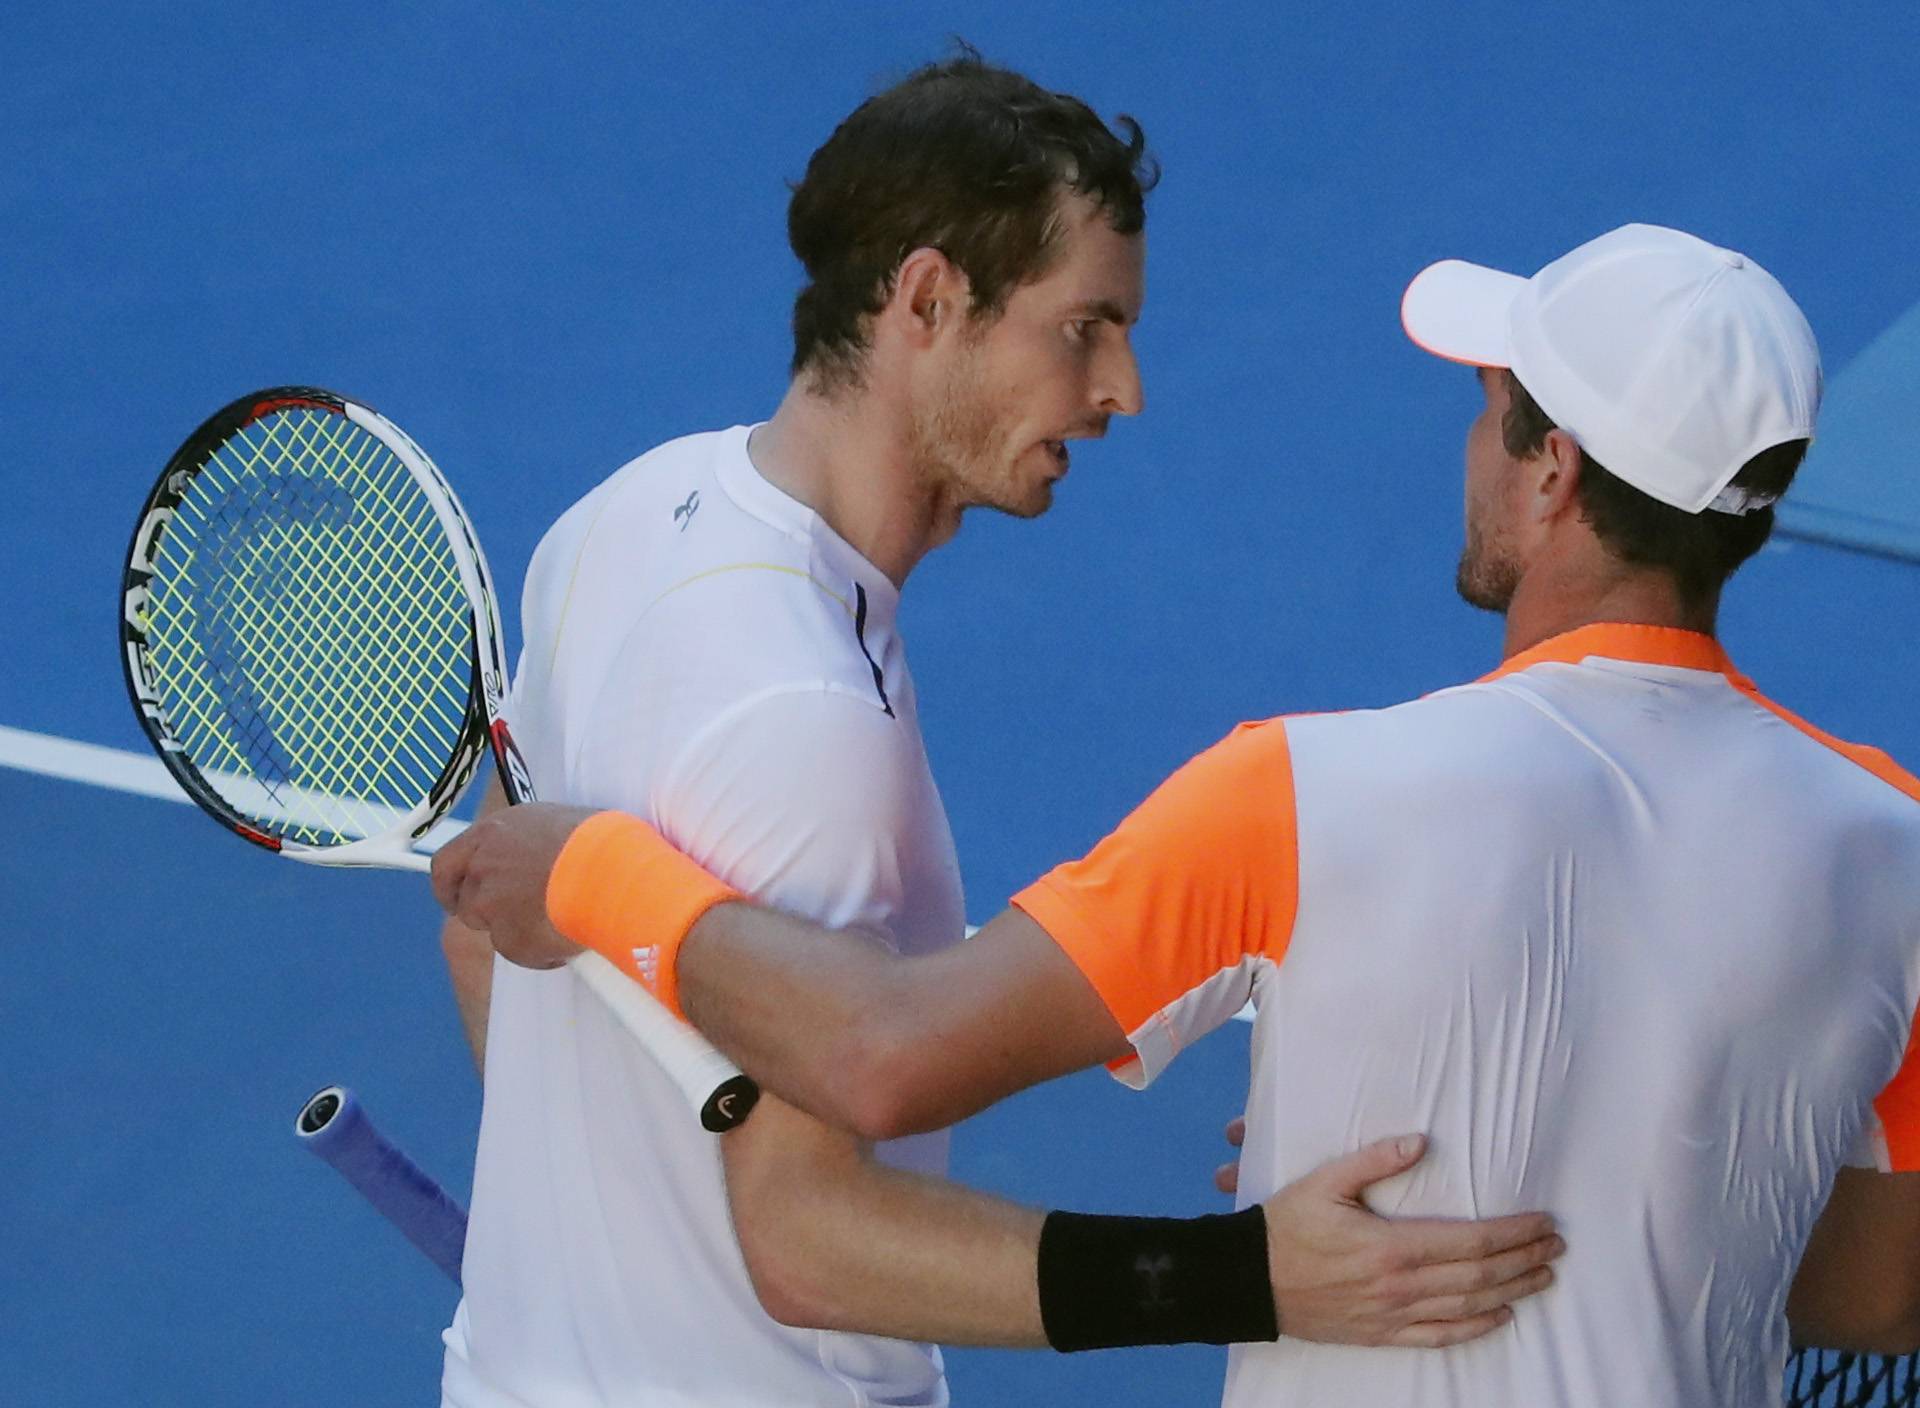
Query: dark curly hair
(1701, 550)
(962, 157)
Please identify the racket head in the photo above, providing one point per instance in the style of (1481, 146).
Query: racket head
(308, 628)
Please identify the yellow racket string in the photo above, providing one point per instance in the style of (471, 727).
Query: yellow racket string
(307, 711)
(309, 632)
(312, 708)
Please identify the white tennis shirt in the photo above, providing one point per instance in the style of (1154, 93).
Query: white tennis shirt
(704, 652)
(1629, 942)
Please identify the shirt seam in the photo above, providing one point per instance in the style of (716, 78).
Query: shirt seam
(1908, 787)
(669, 776)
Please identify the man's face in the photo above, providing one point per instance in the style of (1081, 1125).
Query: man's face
(992, 427)
(1490, 567)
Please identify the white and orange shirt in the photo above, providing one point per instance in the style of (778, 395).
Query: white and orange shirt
(704, 652)
(1629, 942)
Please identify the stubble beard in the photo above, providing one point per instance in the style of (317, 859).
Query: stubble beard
(1487, 576)
(960, 451)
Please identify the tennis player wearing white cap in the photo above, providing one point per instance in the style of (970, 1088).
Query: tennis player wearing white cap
(1629, 940)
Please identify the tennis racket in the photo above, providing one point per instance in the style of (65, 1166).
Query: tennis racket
(335, 1129)
(312, 646)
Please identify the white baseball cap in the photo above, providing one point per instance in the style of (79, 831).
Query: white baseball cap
(1671, 361)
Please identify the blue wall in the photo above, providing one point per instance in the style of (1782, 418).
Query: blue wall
(546, 237)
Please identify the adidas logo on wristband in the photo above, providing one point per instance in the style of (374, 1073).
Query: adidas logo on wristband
(647, 960)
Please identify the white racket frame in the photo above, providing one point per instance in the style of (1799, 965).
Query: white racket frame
(715, 1088)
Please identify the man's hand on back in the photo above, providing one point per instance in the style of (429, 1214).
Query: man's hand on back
(1343, 1274)
(1227, 1177)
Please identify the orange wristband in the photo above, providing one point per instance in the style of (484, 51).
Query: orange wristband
(622, 891)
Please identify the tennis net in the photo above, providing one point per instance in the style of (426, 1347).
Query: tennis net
(1826, 1378)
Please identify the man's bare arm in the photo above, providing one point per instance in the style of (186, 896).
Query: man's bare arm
(1858, 1286)
(834, 1240)
(829, 1020)
(469, 955)
(887, 1046)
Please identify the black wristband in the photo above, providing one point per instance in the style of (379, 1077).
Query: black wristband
(1106, 1282)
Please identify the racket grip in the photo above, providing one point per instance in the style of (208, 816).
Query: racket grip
(335, 1128)
(712, 1084)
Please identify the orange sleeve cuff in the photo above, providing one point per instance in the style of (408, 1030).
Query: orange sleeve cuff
(621, 890)
(1204, 873)
(1898, 1109)
(1080, 938)
(1108, 967)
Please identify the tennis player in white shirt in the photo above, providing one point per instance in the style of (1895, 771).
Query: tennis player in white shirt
(712, 644)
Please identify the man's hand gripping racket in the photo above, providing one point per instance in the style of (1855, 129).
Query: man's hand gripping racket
(312, 646)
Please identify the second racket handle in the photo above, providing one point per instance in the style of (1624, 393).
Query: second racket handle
(334, 1127)
(713, 1085)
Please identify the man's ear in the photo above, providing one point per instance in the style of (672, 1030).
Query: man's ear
(929, 295)
(1556, 476)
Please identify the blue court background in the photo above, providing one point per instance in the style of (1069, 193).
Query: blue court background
(546, 237)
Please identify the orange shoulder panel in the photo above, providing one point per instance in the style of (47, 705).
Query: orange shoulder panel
(1898, 1109)
(1872, 759)
(1204, 873)
(1898, 1106)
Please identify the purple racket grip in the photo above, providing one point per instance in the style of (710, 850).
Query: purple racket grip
(334, 1126)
